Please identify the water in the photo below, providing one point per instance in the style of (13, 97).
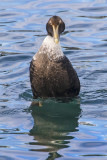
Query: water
(58, 129)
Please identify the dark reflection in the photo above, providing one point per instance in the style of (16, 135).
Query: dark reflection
(94, 17)
(94, 9)
(27, 45)
(53, 121)
(7, 14)
(72, 48)
(3, 34)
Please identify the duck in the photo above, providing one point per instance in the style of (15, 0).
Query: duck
(51, 72)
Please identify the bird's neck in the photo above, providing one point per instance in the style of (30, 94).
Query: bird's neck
(50, 48)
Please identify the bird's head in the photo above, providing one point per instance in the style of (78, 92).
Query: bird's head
(55, 27)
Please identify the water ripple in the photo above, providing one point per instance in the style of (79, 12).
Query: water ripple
(94, 9)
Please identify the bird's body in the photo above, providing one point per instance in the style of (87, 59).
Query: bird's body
(51, 73)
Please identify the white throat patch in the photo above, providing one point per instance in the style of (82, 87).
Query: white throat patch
(50, 48)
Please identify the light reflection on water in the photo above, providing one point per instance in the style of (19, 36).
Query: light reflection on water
(65, 130)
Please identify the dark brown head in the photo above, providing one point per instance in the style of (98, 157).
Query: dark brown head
(55, 27)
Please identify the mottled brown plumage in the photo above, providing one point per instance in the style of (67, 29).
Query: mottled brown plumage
(51, 73)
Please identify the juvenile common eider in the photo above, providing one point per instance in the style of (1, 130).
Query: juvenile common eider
(51, 73)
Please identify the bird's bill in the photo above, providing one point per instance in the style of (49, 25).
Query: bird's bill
(55, 33)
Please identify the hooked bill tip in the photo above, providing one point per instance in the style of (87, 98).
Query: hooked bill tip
(56, 40)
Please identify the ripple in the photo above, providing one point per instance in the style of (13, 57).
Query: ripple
(103, 29)
(14, 58)
(94, 17)
(4, 53)
(93, 144)
(6, 158)
(101, 45)
(12, 131)
(27, 95)
(22, 31)
(94, 9)
(13, 76)
(27, 45)
(4, 146)
(84, 25)
(18, 37)
(3, 34)
(4, 22)
(72, 48)
(7, 15)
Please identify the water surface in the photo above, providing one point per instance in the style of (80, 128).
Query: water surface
(59, 129)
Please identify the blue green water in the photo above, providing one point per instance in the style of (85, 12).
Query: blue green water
(58, 129)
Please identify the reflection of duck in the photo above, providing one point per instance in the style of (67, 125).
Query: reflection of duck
(51, 73)
(52, 122)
